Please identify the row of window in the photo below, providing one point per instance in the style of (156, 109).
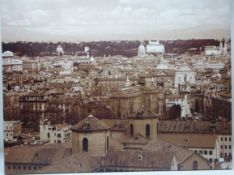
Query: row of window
(24, 167)
(9, 134)
(225, 155)
(226, 147)
(225, 138)
(10, 127)
(204, 152)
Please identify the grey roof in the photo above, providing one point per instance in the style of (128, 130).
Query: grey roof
(194, 126)
(82, 163)
(137, 139)
(43, 154)
(188, 140)
(155, 160)
(159, 145)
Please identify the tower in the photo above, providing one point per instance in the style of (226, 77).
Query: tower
(144, 123)
(90, 135)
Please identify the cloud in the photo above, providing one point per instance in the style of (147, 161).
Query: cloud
(94, 19)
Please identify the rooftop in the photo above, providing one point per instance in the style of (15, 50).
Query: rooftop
(190, 126)
(190, 140)
(90, 124)
(42, 154)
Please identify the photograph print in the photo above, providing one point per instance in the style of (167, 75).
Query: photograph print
(116, 85)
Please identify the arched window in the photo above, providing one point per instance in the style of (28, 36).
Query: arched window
(85, 145)
(131, 129)
(147, 130)
(195, 165)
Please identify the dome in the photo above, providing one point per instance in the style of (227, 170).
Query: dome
(59, 50)
(141, 50)
(7, 54)
(90, 123)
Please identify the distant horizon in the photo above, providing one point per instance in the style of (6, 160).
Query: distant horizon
(117, 40)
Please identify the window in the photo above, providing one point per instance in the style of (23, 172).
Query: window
(107, 143)
(230, 147)
(85, 145)
(225, 146)
(195, 165)
(34, 167)
(29, 167)
(205, 152)
(131, 129)
(221, 146)
(225, 138)
(19, 167)
(9, 167)
(230, 139)
(210, 152)
(221, 154)
(200, 152)
(48, 135)
(24, 167)
(221, 138)
(58, 135)
(147, 130)
(140, 157)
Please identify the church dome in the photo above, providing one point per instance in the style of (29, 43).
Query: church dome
(141, 50)
(59, 50)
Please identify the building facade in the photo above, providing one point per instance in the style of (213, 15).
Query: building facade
(12, 129)
(54, 133)
(154, 47)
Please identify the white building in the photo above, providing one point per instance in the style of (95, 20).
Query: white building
(59, 50)
(154, 47)
(215, 65)
(202, 65)
(66, 65)
(10, 63)
(141, 50)
(224, 146)
(183, 102)
(184, 75)
(12, 129)
(54, 133)
(216, 50)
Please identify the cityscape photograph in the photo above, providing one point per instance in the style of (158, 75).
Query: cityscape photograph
(116, 85)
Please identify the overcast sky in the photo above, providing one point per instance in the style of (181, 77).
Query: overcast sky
(86, 20)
